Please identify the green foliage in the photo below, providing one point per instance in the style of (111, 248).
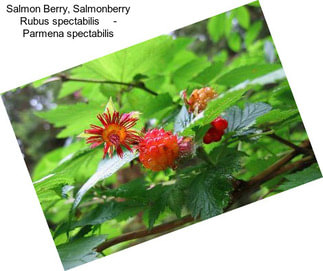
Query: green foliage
(253, 32)
(75, 117)
(80, 251)
(219, 105)
(276, 115)
(52, 182)
(249, 72)
(302, 177)
(87, 199)
(125, 64)
(208, 193)
(234, 42)
(240, 120)
(243, 17)
(105, 169)
(216, 26)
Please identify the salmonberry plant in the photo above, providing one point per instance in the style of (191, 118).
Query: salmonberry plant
(166, 133)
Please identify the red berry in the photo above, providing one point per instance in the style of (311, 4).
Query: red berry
(213, 135)
(216, 134)
(208, 138)
(158, 150)
(219, 123)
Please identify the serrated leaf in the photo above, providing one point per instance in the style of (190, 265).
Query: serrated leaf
(155, 210)
(239, 119)
(125, 64)
(80, 164)
(219, 105)
(106, 168)
(135, 189)
(75, 118)
(103, 212)
(175, 200)
(208, 194)
(226, 160)
(301, 177)
(182, 120)
(80, 251)
(53, 182)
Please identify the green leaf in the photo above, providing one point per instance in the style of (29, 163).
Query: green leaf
(51, 159)
(208, 74)
(243, 17)
(155, 210)
(185, 73)
(269, 78)
(276, 115)
(148, 105)
(100, 214)
(80, 164)
(249, 72)
(253, 33)
(53, 182)
(216, 27)
(234, 42)
(143, 58)
(135, 189)
(199, 125)
(227, 160)
(75, 118)
(106, 168)
(228, 23)
(80, 251)
(220, 104)
(175, 200)
(301, 177)
(208, 194)
(242, 119)
(182, 120)
(70, 87)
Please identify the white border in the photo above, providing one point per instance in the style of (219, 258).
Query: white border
(279, 233)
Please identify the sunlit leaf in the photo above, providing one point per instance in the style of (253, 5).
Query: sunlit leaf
(106, 168)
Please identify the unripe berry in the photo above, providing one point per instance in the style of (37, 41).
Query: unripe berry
(186, 146)
(158, 150)
(200, 98)
(219, 123)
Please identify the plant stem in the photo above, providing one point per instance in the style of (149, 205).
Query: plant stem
(289, 144)
(140, 85)
(143, 233)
